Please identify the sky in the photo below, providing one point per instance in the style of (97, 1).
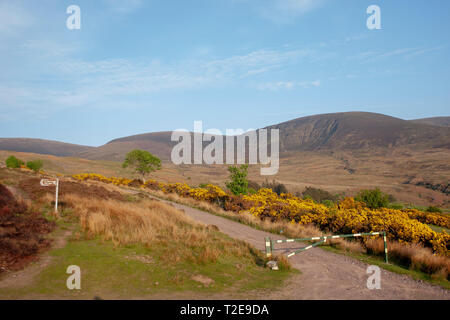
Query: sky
(138, 66)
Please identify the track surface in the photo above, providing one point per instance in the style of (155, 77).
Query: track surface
(324, 275)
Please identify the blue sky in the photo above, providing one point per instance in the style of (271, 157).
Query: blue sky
(139, 66)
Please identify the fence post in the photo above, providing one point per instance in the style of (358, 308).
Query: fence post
(268, 247)
(56, 195)
(385, 247)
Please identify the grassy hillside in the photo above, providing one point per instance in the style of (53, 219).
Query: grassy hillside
(127, 247)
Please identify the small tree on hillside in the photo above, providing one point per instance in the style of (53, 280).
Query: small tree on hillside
(239, 183)
(143, 162)
(35, 165)
(13, 162)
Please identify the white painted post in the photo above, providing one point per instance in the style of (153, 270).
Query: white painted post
(46, 183)
(56, 197)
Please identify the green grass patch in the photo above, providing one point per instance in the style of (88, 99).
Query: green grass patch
(135, 271)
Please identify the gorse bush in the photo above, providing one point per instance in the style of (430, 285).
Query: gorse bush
(373, 199)
(349, 216)
(13, 162)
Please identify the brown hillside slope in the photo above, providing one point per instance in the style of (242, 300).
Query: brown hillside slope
(358, 130)
(334, 131)
(41, 146)
(157, 143)
(435, 121)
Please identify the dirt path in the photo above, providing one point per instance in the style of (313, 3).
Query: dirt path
(324, 275)
(26, 276)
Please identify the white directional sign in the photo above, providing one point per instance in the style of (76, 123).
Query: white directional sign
(47, 183)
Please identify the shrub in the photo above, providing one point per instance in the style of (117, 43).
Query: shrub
(35, 165)
(253, 185)
(239, 183)
(434, 209)
(276, 187)
(13, 162)
(373, 199)
(318, 195)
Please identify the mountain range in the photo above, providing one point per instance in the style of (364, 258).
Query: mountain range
(334, 131)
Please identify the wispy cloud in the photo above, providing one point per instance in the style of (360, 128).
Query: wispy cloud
(122, 76)
(287, 85)
(420, 52)
(372, 56)
(74, 83)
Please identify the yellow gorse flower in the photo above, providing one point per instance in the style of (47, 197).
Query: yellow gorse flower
(349, 216)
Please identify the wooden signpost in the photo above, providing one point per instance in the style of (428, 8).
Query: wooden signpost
(48, 182)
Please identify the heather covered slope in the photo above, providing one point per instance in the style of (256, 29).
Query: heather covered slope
(41, 146)
(358, 130)
(157, 143)
(435, 121)
(334, 131)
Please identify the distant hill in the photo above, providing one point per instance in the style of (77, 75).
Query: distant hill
(356, 130)
(157, 143)
(41, 146)
(334, 131)
(435, 121)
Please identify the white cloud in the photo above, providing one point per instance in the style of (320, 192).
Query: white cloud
(122, 76)
(71, 83)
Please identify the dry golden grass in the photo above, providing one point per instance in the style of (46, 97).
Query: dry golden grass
(288, 229)
(414, 256)
(153, 223)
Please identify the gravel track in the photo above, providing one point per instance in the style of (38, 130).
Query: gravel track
(324, 275)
